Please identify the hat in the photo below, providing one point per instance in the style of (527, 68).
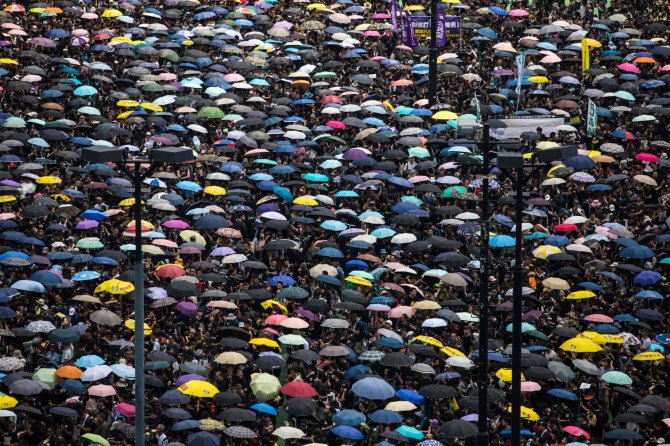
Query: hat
(612, 208)
(17, 354)
(41, 301)
(71, 311)
(121, 383)
(595, 203)
(241, 325)
(492, 279)
(547, 197)
(388, 322)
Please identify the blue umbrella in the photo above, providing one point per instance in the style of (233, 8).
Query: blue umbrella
(356, 264)
(493, 356)
(624, 318)
(390, 343)
(283, 193)
(647, 278)
(18, 254)
(373, 388)
(85, 275)
(385, 417)
(188, 186)
(102, 260)
(590, 286)
(580, 162)
(29, 286)
(89, 361)
(497, 10)
(557, 240)
(211, 221)
(649, 294)
(410, 432)
(173, 398)
(637, 252)
(356, 370)
(348, 417)
(186, 425)
(402, 182)
(85, 90)
(328, 279)
(330, 252)
(347, 432)
(284, 280)
(46, 278)
(264, 408)
(203, 439)
(93, 214)
(316, 177)
(334, 225)
(410, 395)
(6, 312)
(73, 385)
(508, 432)
(605, 329)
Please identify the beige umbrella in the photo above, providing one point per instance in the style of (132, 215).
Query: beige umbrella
(87, 298)
(231, 358)
(426, 305)
(454, 280)
(554, 283)
(322, 269)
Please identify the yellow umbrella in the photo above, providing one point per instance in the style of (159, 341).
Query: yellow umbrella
(648, 356)
(550, 173)
(214, 190)
(201, 389)
(593, 43)
(115, 286)
(444, 115)
(580, 345)
(7, 198)
(546, 145)
(538, 80)
(274, 304)
(526, 413)
(151, 107)
(49, 179)
(111, 13)
(7, 61)
(450, 351)
(426, 305)
(306, 201)
(7, 402)
(358, 281)
(505, 375)
(231, 358)
(592, 335)
(264, 342)
(554, 283)
(125, 114)
(316, 6)
(127, 103)
(143, 223)
(413, 8)
(120, 39)
(192, 236)
(130, 324)
(61, 197)
(544, 251)
(400, 406)
(429, 340)
(583, 294)
(613, 339)
(128, 202)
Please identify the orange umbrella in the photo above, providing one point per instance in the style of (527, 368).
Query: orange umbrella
(69, 372)
(645, 60)
(52, 10)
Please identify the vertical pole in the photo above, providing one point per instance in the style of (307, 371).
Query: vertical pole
(516, 316)
(482, 423)
(432, 55)
(139, 312)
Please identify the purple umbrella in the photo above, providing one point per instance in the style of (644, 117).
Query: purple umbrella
(87, 224)
(43, 41)
(221, 252)
(188, 308)
(183, 379)
(10, 183)
(307, 314)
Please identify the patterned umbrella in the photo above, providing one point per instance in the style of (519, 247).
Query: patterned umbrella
(41, 326)
(239, 432)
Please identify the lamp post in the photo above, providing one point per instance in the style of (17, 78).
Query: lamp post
(167, 155)
(482, 422)
(514, 161)
(432, 55)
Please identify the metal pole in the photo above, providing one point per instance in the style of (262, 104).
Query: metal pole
(139, 312)
(482, 423)
(432, 55)
(516, 316)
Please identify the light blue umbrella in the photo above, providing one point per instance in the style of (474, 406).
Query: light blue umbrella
(348, 417)
(347, 194)
(189, 186)
(410, 432)
(334, 225)
(85, 275)
(373, 389)
(502, 241)
(330, 164)
(39, 142)
(89, 361)
(383, 232)
(261, 177)
(283, 193)
(316, 177)
(85, 90)
(29, 286)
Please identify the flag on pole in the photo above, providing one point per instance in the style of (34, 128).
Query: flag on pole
(479, 110)
(591, 118)
(394, 15)
(586, 56)
(520, 65)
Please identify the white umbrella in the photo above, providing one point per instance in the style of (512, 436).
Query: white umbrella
(460, 362)
(575, 220)
(286, 433)
(434, 323)
(403, 238)
(96, 373)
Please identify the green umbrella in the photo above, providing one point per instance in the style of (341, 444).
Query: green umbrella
(97, 439)
(324, 75)
(538, 334)
(211, 113)
(152, 87)
(292, 339)
(89, 111)
(624, 95)
(362, 274)
(453, 191)
(265, 161)
(257, 135)
(89, 243)
(46, 376)
(419, 152)
(169, 55)
(616, 377)
(265, 386)
(232, 117)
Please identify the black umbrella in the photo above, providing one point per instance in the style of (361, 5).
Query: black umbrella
(182, 288)
(438, 391)
(34, 211)
(457, 429)
(623, 434)
(305, 355)
(227, 399)
(236, 415)
(539, 373)
(269, 362)
(234, 343)
(301, 407)
(64, 412)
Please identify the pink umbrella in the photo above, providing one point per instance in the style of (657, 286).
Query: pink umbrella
(337, 125)
(295, 323)
(577, 432)
(270, 331)
(599, 318)
(550, 59)
(256, 152)
(165, 243)
(175, 224)
(628, 67)
(125, 409)
(646, 157)
(233, 77)
(381, 16)
(419, 179)
(102, 390)
(530, 386)
(518, 13)
(400, 311)
(666, 67)
(275, 319)
(371, 34)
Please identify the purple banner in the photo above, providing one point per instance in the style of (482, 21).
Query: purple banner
(394, 15)
(417, 28)
(407, 31)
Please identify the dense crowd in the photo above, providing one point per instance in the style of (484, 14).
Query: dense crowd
(314, 275)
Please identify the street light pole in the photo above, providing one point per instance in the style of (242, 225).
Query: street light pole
(168, 155)
(482, 422)
(432, 55)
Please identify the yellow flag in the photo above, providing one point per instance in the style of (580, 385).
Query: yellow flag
(586, 56)
(388, 105)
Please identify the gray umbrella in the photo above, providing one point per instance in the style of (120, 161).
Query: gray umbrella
(26, 387)
(562, 371)
(105, 317)
(239, 432)
(586, 366)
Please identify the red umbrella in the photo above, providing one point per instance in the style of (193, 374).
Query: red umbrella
(565, 228)
(296, 389)
(170, 271)
(337, 125)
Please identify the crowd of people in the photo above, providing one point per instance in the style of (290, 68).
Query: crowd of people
(313, 276)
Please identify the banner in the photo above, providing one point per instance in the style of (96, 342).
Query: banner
(586, 56)
(520, 66)
(417, 28)
(394, 15)
(479, 110)
(591, 118)
(516, 126)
